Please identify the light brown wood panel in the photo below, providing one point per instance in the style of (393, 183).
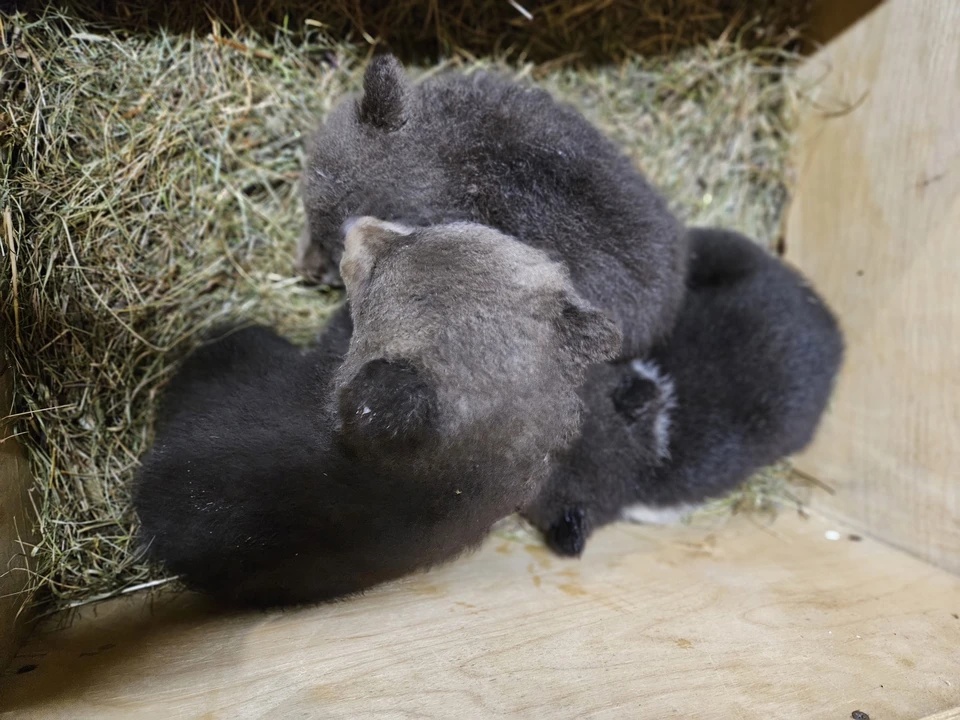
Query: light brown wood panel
(875, 223)
(16, 521)
(734, 622)
(945, 715)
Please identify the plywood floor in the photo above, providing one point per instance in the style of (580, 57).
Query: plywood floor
(740, 621)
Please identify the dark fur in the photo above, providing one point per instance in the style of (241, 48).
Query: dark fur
(486, 149)
(280, 477)
(752, 362)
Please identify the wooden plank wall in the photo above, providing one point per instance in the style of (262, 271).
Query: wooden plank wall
(875, 222)
(16, 521)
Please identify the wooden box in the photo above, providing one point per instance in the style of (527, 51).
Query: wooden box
(855, 607)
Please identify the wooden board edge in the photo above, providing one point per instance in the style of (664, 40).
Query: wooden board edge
(829, 19)
(17, 521)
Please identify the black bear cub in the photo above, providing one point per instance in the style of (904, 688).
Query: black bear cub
(483, 148)
(742, 382)
(427, 413)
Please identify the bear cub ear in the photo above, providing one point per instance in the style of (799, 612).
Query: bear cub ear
(588, 333)
(364, 240)
(633, 396)
(383, 105)
(722, 258)
(387, 401)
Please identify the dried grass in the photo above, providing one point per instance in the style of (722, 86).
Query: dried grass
(149, 188)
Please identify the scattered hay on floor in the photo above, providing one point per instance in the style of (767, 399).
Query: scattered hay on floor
(762, 497)
(149, 188)
(764, 494)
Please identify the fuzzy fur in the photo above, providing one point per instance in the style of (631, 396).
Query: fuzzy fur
(742, 382)
(427, 412)
(486, 149)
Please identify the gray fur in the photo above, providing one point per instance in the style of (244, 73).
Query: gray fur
(428, 412)
(485, 149)
(752, 363)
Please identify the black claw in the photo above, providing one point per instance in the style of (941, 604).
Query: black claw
(568, 536)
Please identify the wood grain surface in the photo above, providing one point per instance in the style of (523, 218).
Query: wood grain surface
(875, 223)
(739, 621)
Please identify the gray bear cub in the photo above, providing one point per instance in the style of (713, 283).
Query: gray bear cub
(482, 148)
(741, 382)
(430, 411)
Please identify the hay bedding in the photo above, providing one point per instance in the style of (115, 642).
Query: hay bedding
(149, 189)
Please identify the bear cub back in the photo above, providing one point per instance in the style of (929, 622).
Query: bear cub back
(482, 148)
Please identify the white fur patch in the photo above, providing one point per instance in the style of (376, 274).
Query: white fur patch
(650, 515)
(661, 426)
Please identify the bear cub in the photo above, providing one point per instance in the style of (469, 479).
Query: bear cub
(428, 411)
(482, 148)
(741, 383)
